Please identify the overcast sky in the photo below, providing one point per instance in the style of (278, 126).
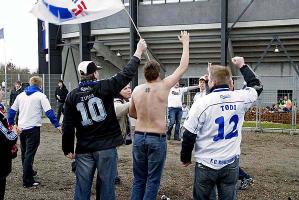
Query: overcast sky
(20, 32)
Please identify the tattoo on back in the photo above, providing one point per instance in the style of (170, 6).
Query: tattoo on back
(147, 90)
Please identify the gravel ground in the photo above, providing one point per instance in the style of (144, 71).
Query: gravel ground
(271, 158)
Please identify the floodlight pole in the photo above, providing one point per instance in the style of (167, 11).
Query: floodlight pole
(133, 35)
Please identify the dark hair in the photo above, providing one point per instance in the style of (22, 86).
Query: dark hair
(18, 82)
(151, 70)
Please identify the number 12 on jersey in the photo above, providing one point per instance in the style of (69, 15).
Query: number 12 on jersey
(234, 133)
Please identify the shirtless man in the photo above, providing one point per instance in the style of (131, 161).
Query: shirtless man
(148, 106)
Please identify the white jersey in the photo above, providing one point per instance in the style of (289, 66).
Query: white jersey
(175, 97)
(30, 109)
(217, 120)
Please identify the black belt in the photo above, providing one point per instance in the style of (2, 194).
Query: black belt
(151, 134)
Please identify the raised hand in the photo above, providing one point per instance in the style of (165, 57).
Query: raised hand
(141, 48)
(184, 37)
(238, 61)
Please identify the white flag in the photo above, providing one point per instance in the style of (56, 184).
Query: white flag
(75, 11)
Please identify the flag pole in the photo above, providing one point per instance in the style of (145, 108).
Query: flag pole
(146, 52)
(5, 69)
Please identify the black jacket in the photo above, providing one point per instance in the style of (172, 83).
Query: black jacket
(62, 92)
(90, 110)
(13, 95)
(5, 148)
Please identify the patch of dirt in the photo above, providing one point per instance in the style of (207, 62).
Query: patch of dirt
(271, 159)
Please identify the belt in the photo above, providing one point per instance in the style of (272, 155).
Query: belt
(150, 134)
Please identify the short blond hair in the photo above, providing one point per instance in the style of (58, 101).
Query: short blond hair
(35, 80)
(220, 75)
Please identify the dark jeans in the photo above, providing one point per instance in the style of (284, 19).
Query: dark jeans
(174, 117)
(59, 110)
(30, 140)
(105, 163)
(149, 154)
(2, 187)
(243, 174)
(225, 179)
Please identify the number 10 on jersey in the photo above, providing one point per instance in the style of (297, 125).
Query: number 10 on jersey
(96, 110)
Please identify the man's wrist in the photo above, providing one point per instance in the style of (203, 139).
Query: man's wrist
(138, 54)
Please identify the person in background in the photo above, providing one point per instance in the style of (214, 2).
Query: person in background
(203, 88)
(8, 151)
(30, 104)
(175, 112)
(121, 106)
(60, 95)
(13, 95)
(287, 104)
(15, 92)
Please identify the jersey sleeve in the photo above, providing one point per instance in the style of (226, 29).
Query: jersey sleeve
(45, 103)
(184, 89)
(68, 127)
(196, 118)
(15, 105)
(249, 95)
(116, 83)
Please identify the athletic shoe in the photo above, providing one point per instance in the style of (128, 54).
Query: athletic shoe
(245, 183)
(34, 184)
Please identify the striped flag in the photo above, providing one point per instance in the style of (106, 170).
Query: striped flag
(2, 33)
(75, 11)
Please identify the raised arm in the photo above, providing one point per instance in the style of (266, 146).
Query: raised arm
(248, 74)
(123, 78)
(171, 80)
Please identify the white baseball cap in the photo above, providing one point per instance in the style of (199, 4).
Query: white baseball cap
(202, 78)
(88, 67)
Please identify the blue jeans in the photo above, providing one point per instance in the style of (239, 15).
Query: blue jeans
(225, 179)
(149, 154)
(174, 117)
(105, 162)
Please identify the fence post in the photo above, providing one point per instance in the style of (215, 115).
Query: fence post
(44, 83)
(49, 86)
(294, 103)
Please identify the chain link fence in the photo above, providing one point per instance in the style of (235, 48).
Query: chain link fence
(50, 82)
(276, 107)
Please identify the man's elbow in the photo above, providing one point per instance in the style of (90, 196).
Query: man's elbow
(133, 114)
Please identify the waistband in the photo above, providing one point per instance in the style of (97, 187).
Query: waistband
(150, 134)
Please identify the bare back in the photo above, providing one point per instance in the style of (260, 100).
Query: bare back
(150, 101)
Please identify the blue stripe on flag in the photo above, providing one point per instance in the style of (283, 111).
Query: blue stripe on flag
(61, 13)
(2, 33)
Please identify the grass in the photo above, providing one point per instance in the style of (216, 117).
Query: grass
(269, 125)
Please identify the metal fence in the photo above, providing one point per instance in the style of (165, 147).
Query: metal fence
(50, 82)
(269, 112)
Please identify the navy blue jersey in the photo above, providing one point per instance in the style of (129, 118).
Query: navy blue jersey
(90, 110)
